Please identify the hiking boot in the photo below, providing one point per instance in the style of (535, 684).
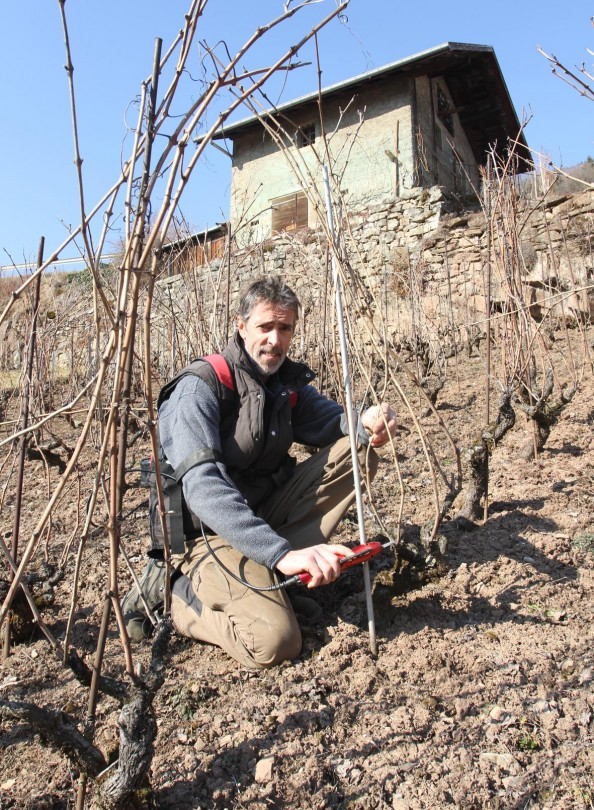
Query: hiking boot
(139, 626)
(152, 584)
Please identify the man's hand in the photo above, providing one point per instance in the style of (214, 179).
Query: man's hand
(380, 422)
(322, 562)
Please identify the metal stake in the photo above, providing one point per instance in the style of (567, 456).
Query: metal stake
(349, 411)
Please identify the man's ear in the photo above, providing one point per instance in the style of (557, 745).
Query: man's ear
(241, 326)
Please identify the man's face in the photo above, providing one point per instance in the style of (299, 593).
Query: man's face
(267, 334)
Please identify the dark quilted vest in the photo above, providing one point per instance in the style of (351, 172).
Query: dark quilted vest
(256, 422)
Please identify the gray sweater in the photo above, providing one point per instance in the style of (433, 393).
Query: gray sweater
(189, 421)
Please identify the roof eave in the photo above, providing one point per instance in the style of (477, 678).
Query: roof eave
(488, 127)
(231, 130)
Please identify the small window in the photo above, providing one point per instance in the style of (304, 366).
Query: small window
(444, 112)
(306, 135)
(289, 213)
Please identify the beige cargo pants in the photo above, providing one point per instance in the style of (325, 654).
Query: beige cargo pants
(260, 629)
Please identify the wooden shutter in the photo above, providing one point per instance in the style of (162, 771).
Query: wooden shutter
(289, 212)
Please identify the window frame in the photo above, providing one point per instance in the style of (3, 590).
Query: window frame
(306, 135)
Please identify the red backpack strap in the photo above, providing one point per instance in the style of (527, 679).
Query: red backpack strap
(221, 369)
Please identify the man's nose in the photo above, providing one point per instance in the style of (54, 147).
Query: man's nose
(274, 337)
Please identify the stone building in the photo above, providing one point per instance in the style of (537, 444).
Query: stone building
(428, 120)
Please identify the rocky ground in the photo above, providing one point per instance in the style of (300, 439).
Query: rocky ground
(480, 695)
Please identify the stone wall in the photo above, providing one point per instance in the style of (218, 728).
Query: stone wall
(425, 262)
(422, 264)
(421, 241)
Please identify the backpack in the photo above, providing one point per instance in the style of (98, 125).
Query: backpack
(179, 526)
(179, 523)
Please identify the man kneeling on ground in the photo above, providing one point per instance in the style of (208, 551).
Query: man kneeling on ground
(265, 517)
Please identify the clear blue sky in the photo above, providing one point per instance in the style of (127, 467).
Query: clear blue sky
(112, 45)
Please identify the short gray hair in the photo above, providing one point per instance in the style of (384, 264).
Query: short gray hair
(271, 290)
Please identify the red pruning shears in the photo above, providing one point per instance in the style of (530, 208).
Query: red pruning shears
(360, 554)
